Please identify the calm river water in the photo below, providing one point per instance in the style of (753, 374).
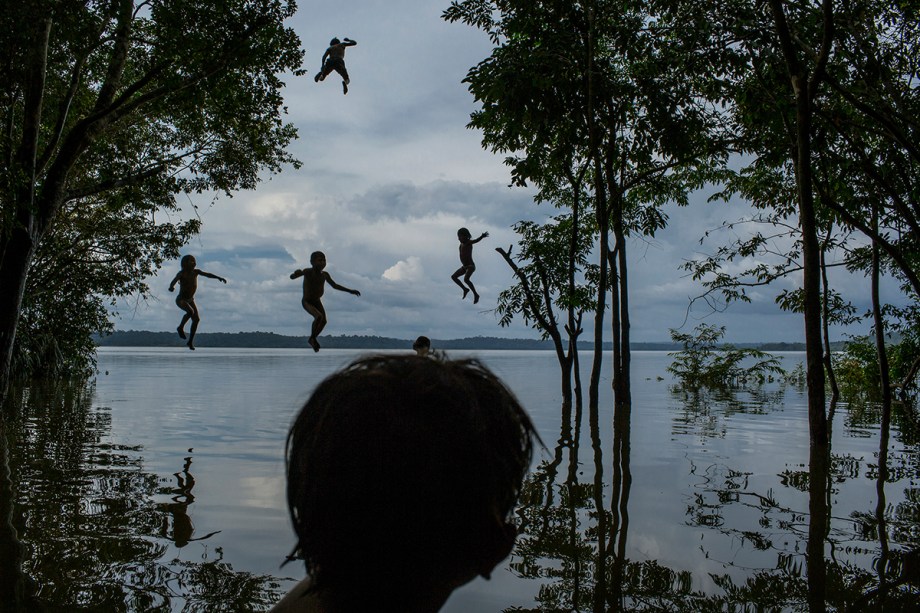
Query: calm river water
(161, 488)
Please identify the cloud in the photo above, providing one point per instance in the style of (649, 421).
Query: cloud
(409, 269)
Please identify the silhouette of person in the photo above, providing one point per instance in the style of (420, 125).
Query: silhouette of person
(467, 267)
(422, 346)
(402, 475)
(187, 278)
(334, 59)
(314, 281)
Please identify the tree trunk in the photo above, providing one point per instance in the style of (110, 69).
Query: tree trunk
(14, 271)
(623, 392)
(885, 381)
(804, 89)
(814, 346)
(825, 316)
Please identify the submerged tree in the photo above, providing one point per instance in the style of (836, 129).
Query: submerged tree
(705, 362)
(107, 103)
(554, 281)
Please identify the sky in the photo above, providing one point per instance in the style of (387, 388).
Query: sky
(390, 172)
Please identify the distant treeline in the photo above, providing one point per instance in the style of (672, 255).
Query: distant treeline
(270, 340)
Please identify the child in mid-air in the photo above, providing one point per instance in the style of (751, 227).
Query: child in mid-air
(188, 284)
(402, 477)
(467, 267)
(334, 59)
(314, 283)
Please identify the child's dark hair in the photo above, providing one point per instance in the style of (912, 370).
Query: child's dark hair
(317, 254)
(400, 470)
(334, 41)
(422, 341)
(185, 260)
(464, 233)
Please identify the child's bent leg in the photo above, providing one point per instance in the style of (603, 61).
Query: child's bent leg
(469, 273)
(184, 305)
(193, 315)
(456, 278)
(319, 321)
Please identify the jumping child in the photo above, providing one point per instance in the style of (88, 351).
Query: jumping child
(314, 283)
(334, 59)
(467, 267)
(187, 278)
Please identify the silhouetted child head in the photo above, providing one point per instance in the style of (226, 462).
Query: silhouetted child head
(402, 475)
(464, 234)
(316, 258)
(334, 42)
(187, 262)
(422, 345)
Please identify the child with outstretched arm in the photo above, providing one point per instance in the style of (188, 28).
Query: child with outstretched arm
(314, 282)
(467, 267)
(187, 278)
(334, 59)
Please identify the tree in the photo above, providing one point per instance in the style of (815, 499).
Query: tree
(823, 98)
(106, 101)
(704, 362)
(553, 273)
(590, 84)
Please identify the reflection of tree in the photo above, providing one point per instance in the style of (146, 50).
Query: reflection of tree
(86, 514)
(574, 543)
(705, 411)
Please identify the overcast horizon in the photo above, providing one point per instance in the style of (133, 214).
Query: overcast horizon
(390, 172)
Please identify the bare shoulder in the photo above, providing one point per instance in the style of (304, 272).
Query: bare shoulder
(298, 600)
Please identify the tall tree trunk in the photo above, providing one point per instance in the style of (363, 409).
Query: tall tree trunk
(14, 270)
(602, 214)
(883, 368)
(825, 318)
(623, 391)
(804, 89)
(885, 381)
(27, 226)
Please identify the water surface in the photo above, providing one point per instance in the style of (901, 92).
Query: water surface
(161, 487)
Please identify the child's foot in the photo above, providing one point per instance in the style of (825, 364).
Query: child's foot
(190, 345)
(465, 292)
(181, 332)
(317, 77)
(344, 87)
(313, 343)
(475, 298)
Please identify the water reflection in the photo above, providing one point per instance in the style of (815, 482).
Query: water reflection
(85, 512)
(791, 540)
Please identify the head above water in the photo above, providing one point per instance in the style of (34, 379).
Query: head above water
(402, 475)
(463, 233)
(187, 262)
